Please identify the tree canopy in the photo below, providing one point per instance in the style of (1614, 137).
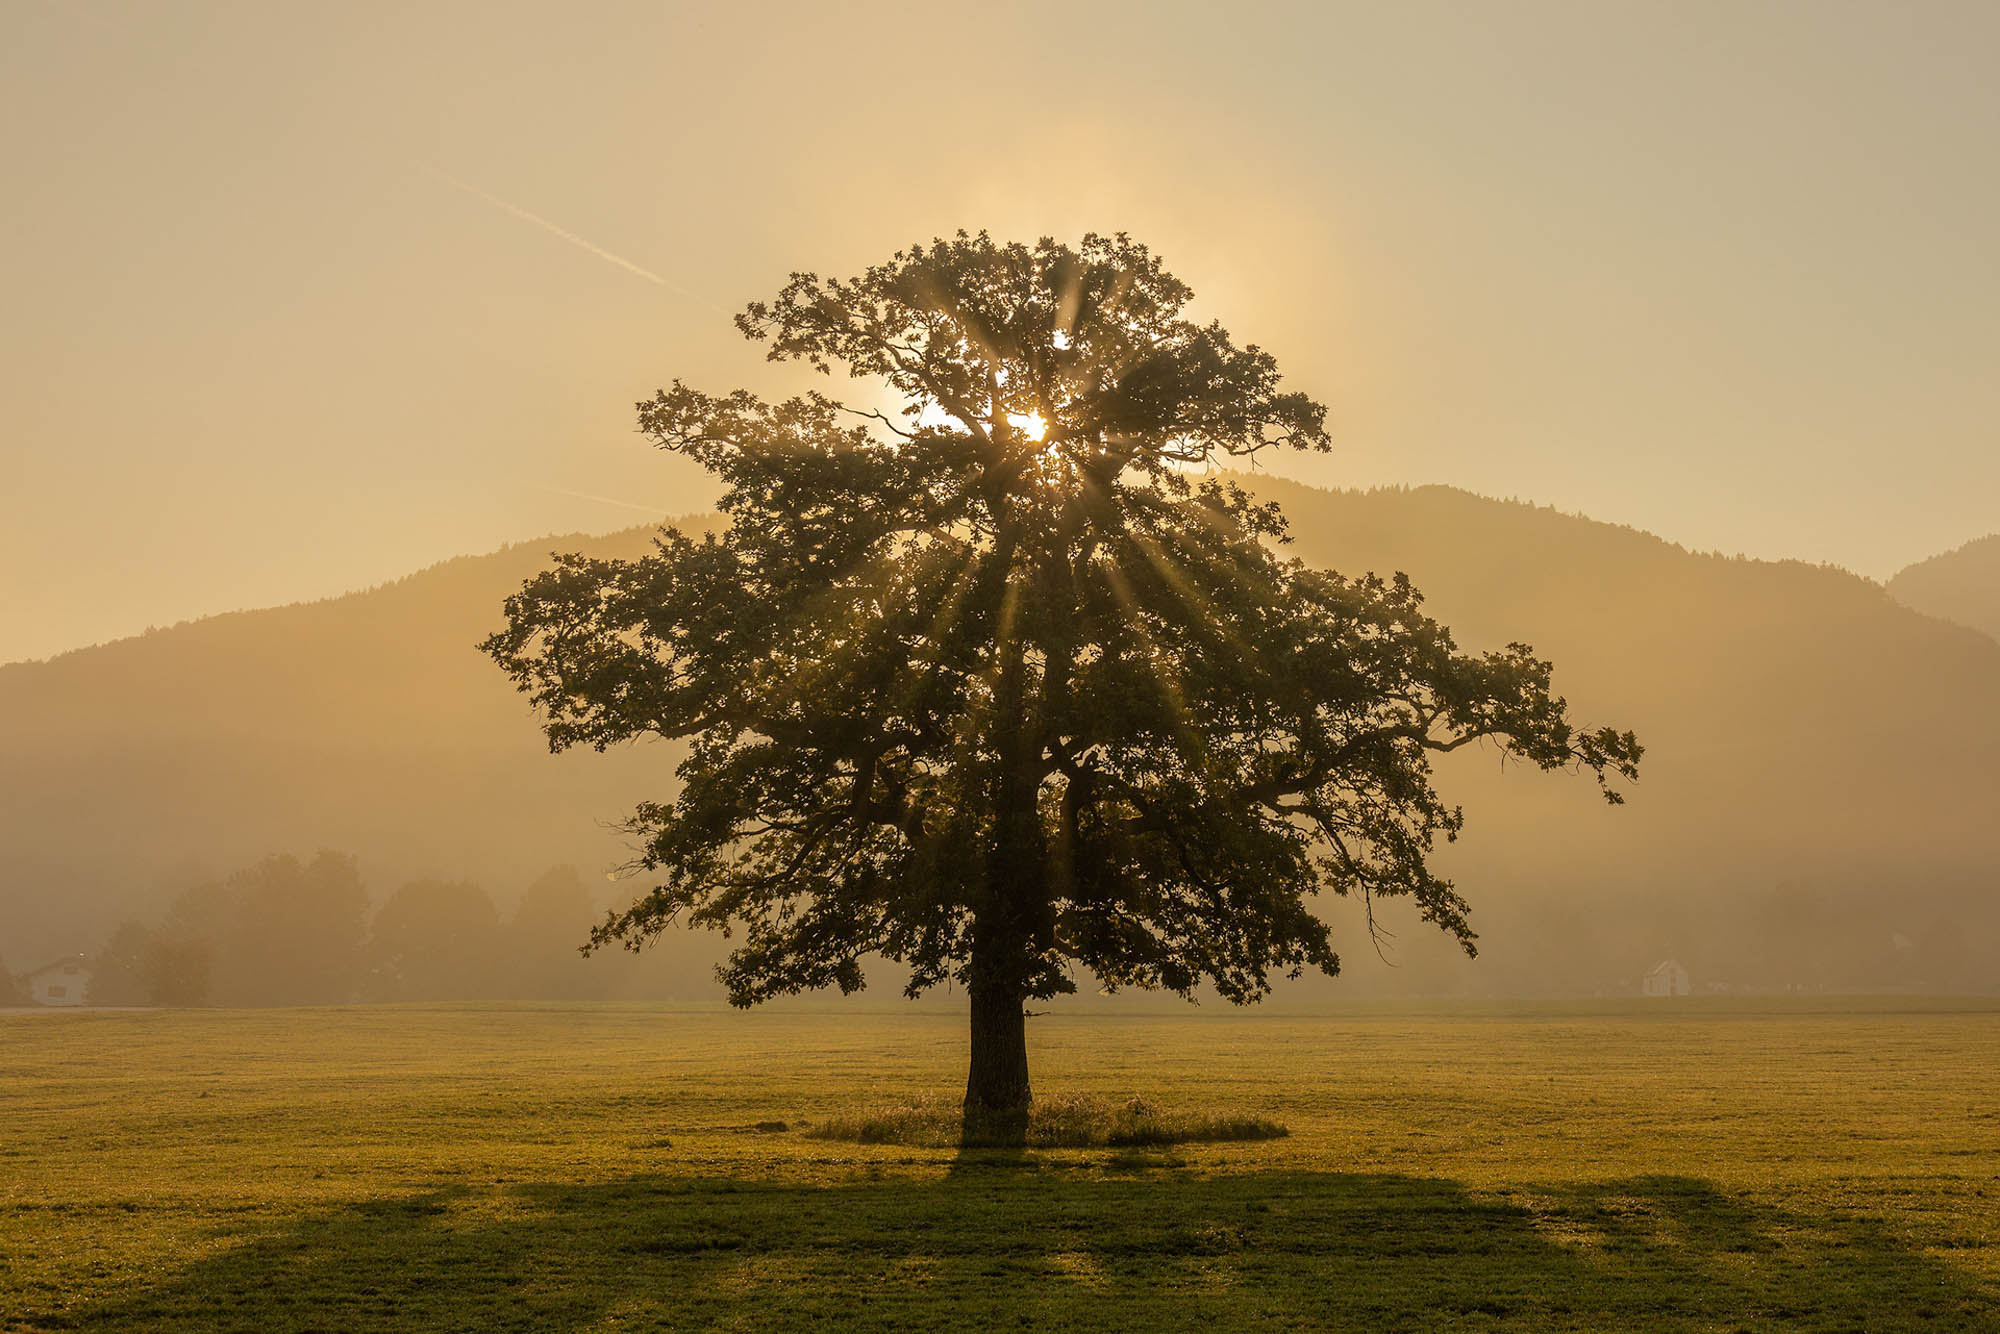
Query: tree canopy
(997, 675)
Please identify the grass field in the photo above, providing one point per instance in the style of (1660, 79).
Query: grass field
(1690, 1166)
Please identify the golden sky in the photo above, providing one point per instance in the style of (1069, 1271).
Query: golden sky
(300, 297)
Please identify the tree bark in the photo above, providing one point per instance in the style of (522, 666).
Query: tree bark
(996, 1089)
(1003, 933)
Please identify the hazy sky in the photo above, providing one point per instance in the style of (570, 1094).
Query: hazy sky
(278, 321)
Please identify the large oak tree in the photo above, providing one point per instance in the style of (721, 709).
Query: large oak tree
(998, 678)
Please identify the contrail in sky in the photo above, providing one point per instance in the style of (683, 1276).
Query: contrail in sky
(569, 236)
(656, 511)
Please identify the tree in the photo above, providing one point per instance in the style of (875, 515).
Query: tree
(436, 940)
(141, 966)
(280, 931)
(296, 932)
(119, 973)
(539, 942)
(1004, 682)
(300, 930)
(174, 970)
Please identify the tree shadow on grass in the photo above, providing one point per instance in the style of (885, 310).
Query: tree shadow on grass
(1092, 1246)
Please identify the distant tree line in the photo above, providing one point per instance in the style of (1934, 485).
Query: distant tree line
(292, 932)
(1854, 935)
(306, 932)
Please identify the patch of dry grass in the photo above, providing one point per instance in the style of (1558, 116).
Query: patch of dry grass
(1077, 1121)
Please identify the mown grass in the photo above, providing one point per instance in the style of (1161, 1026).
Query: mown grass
(1676, 1168)
(1075, 1121)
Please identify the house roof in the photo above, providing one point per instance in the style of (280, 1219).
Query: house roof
(77, 959)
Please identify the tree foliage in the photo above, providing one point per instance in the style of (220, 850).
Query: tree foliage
(279, 932)
(435, 940)
(140, 965)
(1002, 680)
(119, 971)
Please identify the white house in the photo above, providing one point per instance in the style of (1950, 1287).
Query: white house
(60, 983)
(1668, 978)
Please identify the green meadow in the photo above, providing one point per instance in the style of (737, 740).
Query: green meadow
(1823, 1165)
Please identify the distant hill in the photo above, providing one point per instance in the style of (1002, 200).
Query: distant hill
(366, 723)
(1815, 809)
(1961, 585)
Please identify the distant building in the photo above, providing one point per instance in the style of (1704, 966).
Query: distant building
(1668, 978)
(60, 983)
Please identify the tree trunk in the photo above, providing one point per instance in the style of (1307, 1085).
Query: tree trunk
(996, 1090)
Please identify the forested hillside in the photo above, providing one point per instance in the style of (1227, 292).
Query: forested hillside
(1814, 810)
(1961, 585)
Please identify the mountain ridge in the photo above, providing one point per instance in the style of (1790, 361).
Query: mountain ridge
(568, 541)
(1961, 585)
(1804, 728)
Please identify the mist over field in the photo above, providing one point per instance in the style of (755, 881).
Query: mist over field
(1822, 767)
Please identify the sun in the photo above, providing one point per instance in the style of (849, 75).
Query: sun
(1029, 424)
